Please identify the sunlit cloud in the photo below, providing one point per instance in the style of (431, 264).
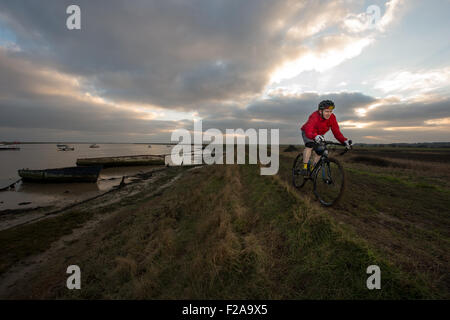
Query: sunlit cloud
(322, 60)
(362, 112)
(47, 83)
(374, 138)
(415, 83)
(417, 128)
(56, 83)
(354, 124)
(390, 14)
(286, 91)
(326, 17)
(356, 23)
(439, 122)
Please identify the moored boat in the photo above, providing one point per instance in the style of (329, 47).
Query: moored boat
(123, 161)
(68, 174)
(64, 147)
(94, 146)
(9, 147)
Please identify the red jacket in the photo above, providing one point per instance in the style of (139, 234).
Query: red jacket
(318, 126)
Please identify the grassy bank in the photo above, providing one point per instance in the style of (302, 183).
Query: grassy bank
(223, 232)
(23, 241)
(401, 211)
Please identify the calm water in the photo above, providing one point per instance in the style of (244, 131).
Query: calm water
(46, 156)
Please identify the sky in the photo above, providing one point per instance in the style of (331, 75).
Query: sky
(137, 70)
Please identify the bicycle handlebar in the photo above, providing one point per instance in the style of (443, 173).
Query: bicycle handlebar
(334, 143)
(339, 144)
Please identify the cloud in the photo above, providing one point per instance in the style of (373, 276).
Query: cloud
(415, 82)
(38, 98)
(178, 54)
(384, 118)
(371, 19)
(330, 52)
(167, 53)
(41, 102)
(134, 63)
(409, 113)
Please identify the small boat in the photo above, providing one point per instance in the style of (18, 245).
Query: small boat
(123, 161)
(9, 147)
(64, 147)
(94, 146)
(69, 174)
(149, 145)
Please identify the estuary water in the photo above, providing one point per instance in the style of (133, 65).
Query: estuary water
(46, 156)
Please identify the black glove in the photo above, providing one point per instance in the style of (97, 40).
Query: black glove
(348, 144)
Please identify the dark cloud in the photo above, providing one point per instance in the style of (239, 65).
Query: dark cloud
(163, 52)
(26, 104)
(409, 114)
(213, 57)
(74, 115)
(41, 99)
(295, 107)
(289, 113)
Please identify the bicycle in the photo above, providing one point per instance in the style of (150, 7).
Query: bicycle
(329, 187)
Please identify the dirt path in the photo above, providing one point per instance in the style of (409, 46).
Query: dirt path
(20, 270)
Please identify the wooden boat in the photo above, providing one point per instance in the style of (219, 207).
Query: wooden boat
(94, 146)
(69, 174)
(123, 161)
(64, 147)
(8, 147)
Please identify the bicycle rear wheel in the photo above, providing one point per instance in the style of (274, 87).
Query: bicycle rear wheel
(329, 182)
(297, 178)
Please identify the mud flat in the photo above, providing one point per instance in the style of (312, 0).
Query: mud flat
(36, 201)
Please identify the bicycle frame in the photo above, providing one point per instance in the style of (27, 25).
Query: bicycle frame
(318, 166)
(323, 159)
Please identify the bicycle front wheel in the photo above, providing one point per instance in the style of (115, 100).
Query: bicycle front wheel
(329, 182)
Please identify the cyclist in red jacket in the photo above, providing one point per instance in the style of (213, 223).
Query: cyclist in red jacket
(319, 122)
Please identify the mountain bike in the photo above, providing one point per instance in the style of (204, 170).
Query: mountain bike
(327, 174)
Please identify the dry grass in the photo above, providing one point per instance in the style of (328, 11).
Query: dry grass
(399, 206)
(225, 232)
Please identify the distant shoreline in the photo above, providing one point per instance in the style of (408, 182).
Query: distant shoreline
(69, 142)
(400, 144)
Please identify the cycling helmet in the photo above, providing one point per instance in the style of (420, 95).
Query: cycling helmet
(326, 104)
